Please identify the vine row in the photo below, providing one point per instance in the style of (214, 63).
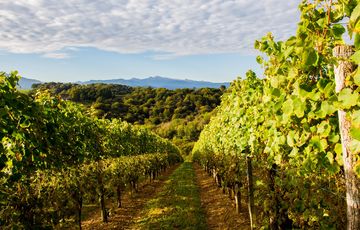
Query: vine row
(278, 139)
(55, 156)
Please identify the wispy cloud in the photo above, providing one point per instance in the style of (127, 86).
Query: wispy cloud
(174, 27)
(56, 55)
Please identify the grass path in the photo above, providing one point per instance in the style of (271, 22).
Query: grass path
(177, 206)
(184, 197)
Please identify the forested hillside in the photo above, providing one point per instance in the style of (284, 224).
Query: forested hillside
(138, 105)
(179, 114)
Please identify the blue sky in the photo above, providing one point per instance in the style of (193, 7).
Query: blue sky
(74, 40)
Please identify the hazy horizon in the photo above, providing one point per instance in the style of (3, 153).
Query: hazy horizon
(130, 78)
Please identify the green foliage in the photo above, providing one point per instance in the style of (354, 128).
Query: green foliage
(54, 155)
(178, 115)
(183, 132)
(137, 105)
(287, 124)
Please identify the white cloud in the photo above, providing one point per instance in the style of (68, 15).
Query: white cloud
(174, 27)
(56, 55)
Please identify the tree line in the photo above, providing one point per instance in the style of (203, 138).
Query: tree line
(138, 105)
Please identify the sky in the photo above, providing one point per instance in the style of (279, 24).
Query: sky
(77, 40)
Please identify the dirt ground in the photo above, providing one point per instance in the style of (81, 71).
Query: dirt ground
(132, 205)
(220, 210)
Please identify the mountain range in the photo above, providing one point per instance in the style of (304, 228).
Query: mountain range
(26, 83)
(160, 82)
(155, 82)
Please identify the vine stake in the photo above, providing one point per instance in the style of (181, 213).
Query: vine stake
(342, 69)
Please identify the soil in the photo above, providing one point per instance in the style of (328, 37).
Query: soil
(132, 205)
(219, 208)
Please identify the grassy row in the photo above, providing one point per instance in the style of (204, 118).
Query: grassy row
(177, 206)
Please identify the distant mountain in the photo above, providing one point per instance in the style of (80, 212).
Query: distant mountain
(160, 82)
(26, 83)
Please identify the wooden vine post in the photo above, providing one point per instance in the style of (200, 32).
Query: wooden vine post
(237, 197)
(342, 69)
(276, 215)
(250, 189)
(118, 195)
(101, 192)
(79, 196)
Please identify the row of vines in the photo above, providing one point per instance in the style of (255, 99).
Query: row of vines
(55, 157)
(278, 139)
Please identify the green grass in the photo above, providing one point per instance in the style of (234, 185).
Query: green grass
(177, 206)
(25, 91)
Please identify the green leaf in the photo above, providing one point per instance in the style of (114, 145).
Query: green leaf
(355, 14)
(259, 60)
(357, 40)
(329, 89)
(299, 107)
(274, 82)
(357, 168)
(321, 22)
(348, 98)
(320, 144)
(322, 83)
(315, 141)
(315, 96)
(290, 139)
(275, 92)
(338, 149)
(287, 107)
(327, 108)
(323, 145)
(288, 51)
(338, 30)
(310, 58)
(277, 106)
(277, 159)
(294, 152)
(303, 93)
(355, 133)
(357, 77)
(282, 140)
(330, 157)
(356, 57)
(355, 118)
(334, 138)
(324, 129)
(355, 146)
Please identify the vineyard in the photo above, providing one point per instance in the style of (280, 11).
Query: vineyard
(286, 146)
(290, 142)
(56, 158)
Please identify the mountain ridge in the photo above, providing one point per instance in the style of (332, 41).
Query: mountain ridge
(160, 82)
(152, 81)
(26, 83)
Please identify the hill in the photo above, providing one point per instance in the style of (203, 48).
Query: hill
(138, 105)
(178, 115)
